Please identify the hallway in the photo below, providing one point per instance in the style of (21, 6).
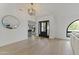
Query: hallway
(38, 46)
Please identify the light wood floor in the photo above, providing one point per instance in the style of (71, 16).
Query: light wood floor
(40, 46)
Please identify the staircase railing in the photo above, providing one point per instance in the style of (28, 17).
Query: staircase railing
(74, 43)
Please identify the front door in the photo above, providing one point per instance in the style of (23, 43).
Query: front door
(44, 25)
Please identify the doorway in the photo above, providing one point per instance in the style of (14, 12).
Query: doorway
(44, 28)
(31, 28)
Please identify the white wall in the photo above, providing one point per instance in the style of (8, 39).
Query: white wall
(8, 36)
(64, 15)
(59, 15)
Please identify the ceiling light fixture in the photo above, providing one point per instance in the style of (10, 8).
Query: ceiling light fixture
(31, 10)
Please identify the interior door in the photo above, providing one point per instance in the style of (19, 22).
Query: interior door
(44, 31)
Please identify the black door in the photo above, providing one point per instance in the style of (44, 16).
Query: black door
(44, 25)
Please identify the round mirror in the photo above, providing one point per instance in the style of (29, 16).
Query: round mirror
(10, 22)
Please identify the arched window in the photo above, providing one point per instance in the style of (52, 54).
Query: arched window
(73, 27)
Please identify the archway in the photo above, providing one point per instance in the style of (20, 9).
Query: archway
(73, 26)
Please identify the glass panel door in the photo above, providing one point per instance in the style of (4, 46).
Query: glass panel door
(44, 28)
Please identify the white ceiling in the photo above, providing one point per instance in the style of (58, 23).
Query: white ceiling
(44, 8)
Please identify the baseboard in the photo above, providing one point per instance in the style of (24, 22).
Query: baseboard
(61, 38)
(8, 43)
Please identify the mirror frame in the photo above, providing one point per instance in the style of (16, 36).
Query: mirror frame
(8, 26)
